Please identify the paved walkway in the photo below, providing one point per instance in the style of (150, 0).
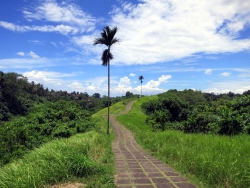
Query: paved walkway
(136, 168)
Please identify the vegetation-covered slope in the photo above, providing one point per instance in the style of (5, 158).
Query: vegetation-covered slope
(44, 123)
(85, 157)
(197, 112)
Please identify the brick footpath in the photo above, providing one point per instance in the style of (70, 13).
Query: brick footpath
(138, 169)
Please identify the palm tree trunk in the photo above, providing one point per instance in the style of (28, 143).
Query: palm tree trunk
(141, 88)
(108, 91)
(108, 95)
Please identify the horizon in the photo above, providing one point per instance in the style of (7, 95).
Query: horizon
(172, 45)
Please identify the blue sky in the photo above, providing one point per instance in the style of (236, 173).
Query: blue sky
(173, 44)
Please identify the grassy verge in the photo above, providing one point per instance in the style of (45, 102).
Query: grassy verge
(209, 160)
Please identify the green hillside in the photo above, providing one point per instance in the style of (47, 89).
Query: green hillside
(209, 160)
(49, 137)
(85, 157)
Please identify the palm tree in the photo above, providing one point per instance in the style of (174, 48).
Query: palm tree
(108, 39)
(141, 78)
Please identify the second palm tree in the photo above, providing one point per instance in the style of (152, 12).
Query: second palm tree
(141, 78)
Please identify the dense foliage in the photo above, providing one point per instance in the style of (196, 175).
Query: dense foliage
(45, 122)
(197, 112)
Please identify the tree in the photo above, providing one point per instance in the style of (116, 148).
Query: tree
(108, 39)
(96, 95)
(141, 78)
(129, 94)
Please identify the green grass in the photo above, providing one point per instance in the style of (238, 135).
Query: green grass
(86, 158)
(208, 160)
(114, 109)
(63, 160)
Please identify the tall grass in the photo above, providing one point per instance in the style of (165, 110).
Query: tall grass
(86, 157)
(216, 161)
(52, 163)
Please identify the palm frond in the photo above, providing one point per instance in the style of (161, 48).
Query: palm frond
(114, 40)
(107, 36)
(99, 41)
(141, 77)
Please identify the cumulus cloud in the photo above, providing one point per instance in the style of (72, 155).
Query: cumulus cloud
(174, 30)
(20, 53)
(44, 77)
(153, 86)
(59, 13)
(208, 71)
(132, 74)
(225, 74)
(124, 85)
(50, 79)
(177, 29)
(64, 18)
(76, 86)
(33, 55)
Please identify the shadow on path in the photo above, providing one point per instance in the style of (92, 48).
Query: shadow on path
(136, 168)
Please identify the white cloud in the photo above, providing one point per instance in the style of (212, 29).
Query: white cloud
(225, 87)
(21, 53)
(225, 74)
(43, 77)
(46, 74)
(33, 55)
(12, 27)
(57, 81)
(177, 29)
(60, 13)
(64, 18)
(30, 63)
(50, 79)
(164, 78)
(124, 85)
(174, 29)
(132, 74)
(76, 86)
(152, 87)
(36, 42)
(63, 29)
(208, 71)
(54, 44)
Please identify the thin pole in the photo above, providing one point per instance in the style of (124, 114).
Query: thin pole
(108, 95)
(141, 87)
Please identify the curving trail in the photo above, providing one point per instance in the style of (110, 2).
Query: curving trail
(138, 169)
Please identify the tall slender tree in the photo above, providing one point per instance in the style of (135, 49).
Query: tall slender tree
(107, 38)
(141, 78)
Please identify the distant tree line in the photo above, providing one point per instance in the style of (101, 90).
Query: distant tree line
(18, 96)
(196, 112)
